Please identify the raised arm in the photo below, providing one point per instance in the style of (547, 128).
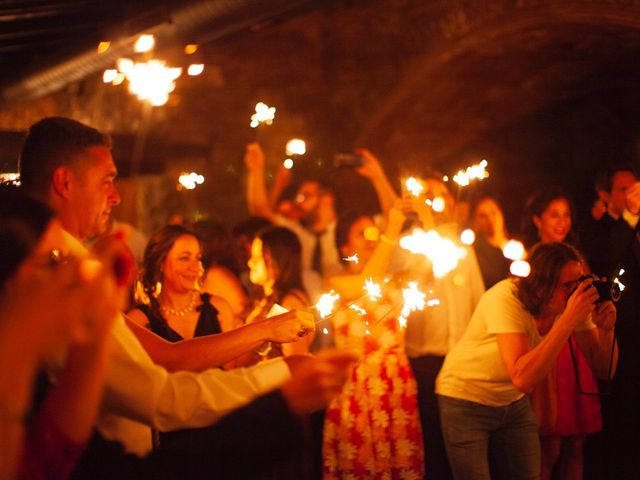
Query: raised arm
(201, 353)
(372, 169)
(257, 197)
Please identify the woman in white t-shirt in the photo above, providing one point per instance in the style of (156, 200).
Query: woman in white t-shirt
(501, 357)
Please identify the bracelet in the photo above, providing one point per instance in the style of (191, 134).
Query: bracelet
(387, 240)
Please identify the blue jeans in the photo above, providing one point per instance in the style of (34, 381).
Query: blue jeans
(474, 434)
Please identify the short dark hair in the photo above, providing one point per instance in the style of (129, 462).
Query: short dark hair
(546, 260)
(604, 180)
(53, 142)
(23, 221)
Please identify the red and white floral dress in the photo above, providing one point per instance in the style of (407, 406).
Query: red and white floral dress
(372, 429)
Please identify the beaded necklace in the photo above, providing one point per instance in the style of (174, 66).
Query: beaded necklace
(183, 311)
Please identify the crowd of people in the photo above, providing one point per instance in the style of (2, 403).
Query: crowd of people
(224, 365)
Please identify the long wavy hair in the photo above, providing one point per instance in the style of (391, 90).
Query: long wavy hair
(282, 246)
(546, 260)
(535, 205)
(23, 221)
(154, 255)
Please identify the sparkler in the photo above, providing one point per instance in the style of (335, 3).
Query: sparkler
(414, 186)
(357, 309)
(468, 237)
(520, 268)
(353, 258)
(617, 280)
(513, 250)
(474, 172)
(326, 304)
(374, 291)
(264, 114)
(443, 253)
(150, 81)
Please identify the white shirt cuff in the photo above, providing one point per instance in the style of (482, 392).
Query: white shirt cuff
(271, 374)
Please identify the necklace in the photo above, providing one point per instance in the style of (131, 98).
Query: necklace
(183, 311)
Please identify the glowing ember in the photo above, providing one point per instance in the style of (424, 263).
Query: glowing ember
(520, 268)
(295, 146)
(144, 43)
(264, 114)
(325, 330)
(474, 172)
(326, 303)
(288, 163)
(190, 180)
(151, 81)
(353, 258)
(414, 186)
(109, 75)
(468, 236)
(414, 299)
(438, 204)
(359, 310)
(373, 289)
(514, 250)
(443, 253)
(195, 69)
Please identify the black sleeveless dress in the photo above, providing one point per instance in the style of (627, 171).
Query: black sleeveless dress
(208, 324)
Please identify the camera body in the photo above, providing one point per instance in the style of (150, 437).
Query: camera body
(607, 290)
(348, 160)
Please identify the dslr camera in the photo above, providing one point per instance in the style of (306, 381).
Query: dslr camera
(607, 290)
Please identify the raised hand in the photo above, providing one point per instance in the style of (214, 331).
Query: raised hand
(580, 304)
(290, 326)
(254, 157)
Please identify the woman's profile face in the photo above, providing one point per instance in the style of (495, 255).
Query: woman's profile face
(554, 222)
(567, 282)
(359, 240)
(258, 271)
(182, 268)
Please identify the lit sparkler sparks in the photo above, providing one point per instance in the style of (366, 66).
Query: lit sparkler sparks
(474, 172)
(189, 180)
(617, 280)
(326, 303)
(443, 253)
(264, 114)
(468, 237)
(414, 300)
(514, 250)
(414, 186)
(353, 258)
(437, 204)
(150, 81)
(520, 268)
(356, 308)
(373, 290)
(296, 146)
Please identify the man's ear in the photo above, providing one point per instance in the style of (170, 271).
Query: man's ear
(61, 182)
(604, 196)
